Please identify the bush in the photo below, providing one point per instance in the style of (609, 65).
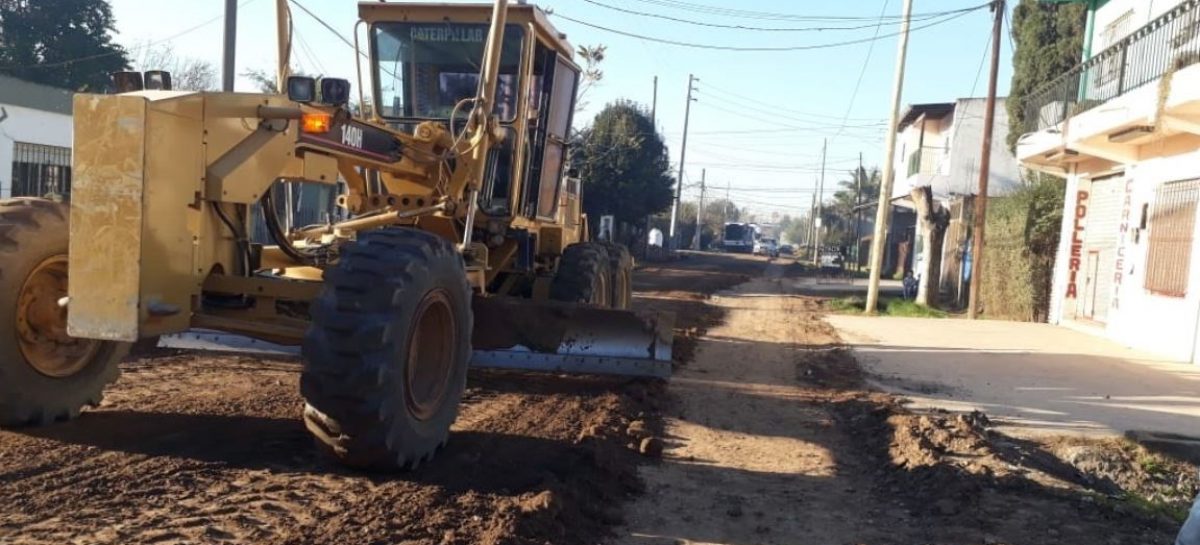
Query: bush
(1022, 238)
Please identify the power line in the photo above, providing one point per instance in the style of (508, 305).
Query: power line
(749, 14)
(774, 112)
(862, 72)
(774, 107)
(958, 14)
(737, 27)
(179, 34)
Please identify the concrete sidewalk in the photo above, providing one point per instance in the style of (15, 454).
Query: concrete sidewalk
(1030, 378)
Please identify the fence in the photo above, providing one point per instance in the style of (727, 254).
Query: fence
(39, 170)
(1167, 43)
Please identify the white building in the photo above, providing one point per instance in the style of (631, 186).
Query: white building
(941, 145)
(35, 139)
(1124, 128)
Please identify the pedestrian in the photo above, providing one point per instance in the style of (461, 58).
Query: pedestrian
(910, 286)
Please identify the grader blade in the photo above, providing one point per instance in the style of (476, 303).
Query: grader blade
(521, 334)
(569, 338)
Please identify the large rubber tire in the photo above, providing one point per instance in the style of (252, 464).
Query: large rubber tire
(620, 265)
(385, 359)
(584, 275)
(33, 249)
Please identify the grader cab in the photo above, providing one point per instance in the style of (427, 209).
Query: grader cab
(463, 240)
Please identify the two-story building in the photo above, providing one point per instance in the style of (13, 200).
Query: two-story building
(1123, 127)
(940, 146)
(35, 139)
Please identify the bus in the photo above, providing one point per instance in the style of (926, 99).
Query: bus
(739, 238)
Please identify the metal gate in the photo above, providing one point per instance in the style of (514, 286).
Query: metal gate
(1103, 230)
(41, 171)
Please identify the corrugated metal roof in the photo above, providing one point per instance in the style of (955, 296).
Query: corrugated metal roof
(18, 92)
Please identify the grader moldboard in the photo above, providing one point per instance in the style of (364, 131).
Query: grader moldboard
(464, 243)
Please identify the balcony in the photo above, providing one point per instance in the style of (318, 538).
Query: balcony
(1108, 105)
(925, 161)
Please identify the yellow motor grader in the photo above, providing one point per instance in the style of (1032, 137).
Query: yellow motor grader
(462, 239)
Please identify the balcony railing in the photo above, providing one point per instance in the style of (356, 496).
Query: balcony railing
(924, 161)
(1170, 42)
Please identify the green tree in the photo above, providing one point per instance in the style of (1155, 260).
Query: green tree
(63, 43)
(622, 161)
(1048, 42)
(837, 216)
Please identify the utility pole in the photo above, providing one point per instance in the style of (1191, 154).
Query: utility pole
(687, 113)
(985, 161)
(725, 209)
(654, 105)
(700, 211)
(885, 185)
(858, 181)
(228, 68)
(284, 42)
(820, 205)
(812, 227)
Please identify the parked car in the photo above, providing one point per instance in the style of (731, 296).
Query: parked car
(767, 247)
(786, 249)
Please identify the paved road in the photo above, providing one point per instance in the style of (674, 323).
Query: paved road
(1036, 378)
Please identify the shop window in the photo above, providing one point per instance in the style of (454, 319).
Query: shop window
(1172, 224)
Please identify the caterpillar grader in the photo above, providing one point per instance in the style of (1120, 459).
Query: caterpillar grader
(461, 238)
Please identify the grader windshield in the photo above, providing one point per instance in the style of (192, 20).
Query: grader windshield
(424, 69)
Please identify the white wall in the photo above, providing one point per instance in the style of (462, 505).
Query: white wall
(34, 127)
(1144, 11)
(1136, 317)
(1166, 325)
(966, 144)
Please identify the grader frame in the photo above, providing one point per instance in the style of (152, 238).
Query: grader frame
(466, 237)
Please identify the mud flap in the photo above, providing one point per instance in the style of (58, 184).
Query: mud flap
(559, 337)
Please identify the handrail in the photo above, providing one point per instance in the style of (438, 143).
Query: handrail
(1168, 43)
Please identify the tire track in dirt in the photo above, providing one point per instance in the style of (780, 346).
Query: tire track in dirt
(198, 449)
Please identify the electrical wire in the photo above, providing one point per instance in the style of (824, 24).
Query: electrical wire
(710, 87)
(734, 27)
(862, 72)
(179, 34)
(761, 48)
(749, 14)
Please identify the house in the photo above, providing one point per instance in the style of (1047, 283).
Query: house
(35, 139)
(940, 146)
(1123, 127)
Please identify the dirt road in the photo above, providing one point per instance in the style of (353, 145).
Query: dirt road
(197, 448)
(771, 438)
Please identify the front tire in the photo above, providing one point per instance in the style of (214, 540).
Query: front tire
(45, 375)
(584, 275)
(620, 264)
(385, 360)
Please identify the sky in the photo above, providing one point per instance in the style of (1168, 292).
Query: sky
(759, 118)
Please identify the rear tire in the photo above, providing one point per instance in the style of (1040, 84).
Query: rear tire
(620, 264)
(385, 360)
(584, 275)
(45, 375)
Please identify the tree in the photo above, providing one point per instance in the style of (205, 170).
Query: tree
(187, 73)
(264, 80)
(838, 214)
(1049, 39)
(622, 161)
(62, 43)
(592, 56)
